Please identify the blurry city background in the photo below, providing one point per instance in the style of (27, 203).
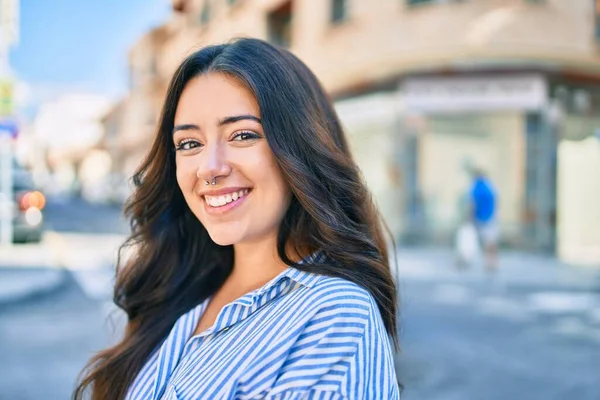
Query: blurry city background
(427, 90)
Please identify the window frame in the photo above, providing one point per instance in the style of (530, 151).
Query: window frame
(278, 18)
(334, 18)
(425, 3)
(596, 8)
(205, 13)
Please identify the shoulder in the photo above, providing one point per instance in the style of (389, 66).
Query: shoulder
(337, 296)
(339, 288)
(343, 345)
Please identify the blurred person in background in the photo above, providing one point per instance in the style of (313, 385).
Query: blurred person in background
(260, 267)
(483, 208)
(466, 243)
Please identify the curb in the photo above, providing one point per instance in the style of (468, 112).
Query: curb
(38, 291)
(516, 271)
(508, 285)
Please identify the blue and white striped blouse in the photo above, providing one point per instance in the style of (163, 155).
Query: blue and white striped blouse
(301, 336)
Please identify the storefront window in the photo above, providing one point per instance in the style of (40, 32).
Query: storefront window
(597, 14)
(280, 25)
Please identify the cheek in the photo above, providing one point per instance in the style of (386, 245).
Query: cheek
(186, 177)
(272, 177)
(283, 188)
(279, 189)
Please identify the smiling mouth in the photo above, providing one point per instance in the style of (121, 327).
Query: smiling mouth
(223, 200)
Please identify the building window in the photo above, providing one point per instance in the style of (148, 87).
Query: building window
(205, 13)
(597, 14)
(180, 5)
(133, 81)
(280, 25)
(418, 2)
(153, 67)
(339, 11)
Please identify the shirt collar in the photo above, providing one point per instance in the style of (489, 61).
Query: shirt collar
(304, 278)
(307, 279)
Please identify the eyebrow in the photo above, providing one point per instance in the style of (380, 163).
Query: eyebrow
(223, 121)
(236, 118)
(186, 127)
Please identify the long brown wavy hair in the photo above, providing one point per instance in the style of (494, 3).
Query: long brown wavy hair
(175, 265)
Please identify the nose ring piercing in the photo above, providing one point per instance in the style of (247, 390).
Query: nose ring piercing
(214, 182)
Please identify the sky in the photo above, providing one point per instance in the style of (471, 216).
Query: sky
(75, 45)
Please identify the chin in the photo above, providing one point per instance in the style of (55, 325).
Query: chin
(223, 238)
(223, 242)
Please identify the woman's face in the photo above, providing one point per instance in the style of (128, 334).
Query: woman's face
(218, 134)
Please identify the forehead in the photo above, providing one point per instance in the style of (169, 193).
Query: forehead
(215, 95)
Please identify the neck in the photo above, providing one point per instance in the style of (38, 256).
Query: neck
(255, 264)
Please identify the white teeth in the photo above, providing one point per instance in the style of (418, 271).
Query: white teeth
(217, 201)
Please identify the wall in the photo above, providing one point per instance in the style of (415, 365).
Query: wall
(385, 38)
(578, 219)
(449, 145)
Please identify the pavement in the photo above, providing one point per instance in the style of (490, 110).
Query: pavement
(515, 269)
(32, 270)
(529, 331)
(20, 285)
(29, 271)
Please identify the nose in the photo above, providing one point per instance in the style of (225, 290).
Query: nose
(213, 162)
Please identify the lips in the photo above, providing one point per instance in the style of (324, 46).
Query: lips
(221, 201)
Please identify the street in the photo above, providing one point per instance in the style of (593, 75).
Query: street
(531, 332)
(45, 343)
(469, 342)
(75, 215)
(53, 319)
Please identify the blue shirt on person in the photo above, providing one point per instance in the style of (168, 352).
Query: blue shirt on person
(483, 197)
(301, 336)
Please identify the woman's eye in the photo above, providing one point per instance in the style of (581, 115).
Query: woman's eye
(241, 136)
(187, 145)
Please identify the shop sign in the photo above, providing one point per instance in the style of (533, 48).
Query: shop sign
(480, 93)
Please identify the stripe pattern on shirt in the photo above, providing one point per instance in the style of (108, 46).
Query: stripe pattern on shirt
(301, 336)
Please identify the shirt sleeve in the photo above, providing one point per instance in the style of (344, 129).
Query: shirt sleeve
(343, 353)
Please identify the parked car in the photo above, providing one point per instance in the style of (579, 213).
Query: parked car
(28, 218)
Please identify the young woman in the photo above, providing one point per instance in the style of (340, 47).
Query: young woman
(260, 267)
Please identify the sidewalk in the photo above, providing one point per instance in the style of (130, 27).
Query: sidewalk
(32, 270)
(18, 284)
(27, 270)
(516, 269)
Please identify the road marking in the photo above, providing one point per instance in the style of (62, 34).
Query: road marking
(594, 315)
(91, 258)
(97, 284)
(575, 327)
(562, 302)
(451, 294)
(503, 307)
